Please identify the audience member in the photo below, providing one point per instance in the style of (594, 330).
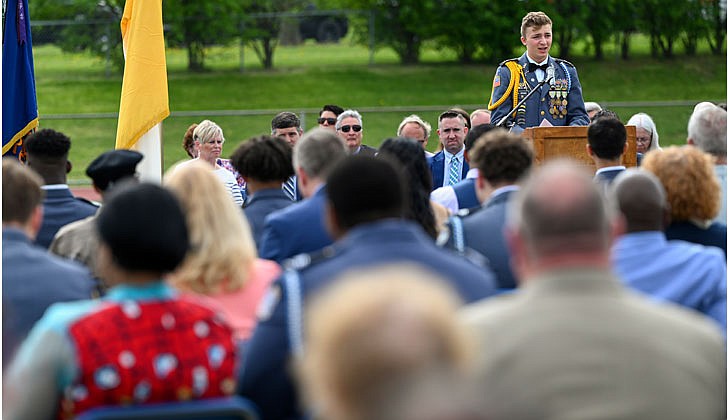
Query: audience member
(463, 113)
(373, 333)
(300, 227)
(479, 116)
(502, 159)
(265, 162)
(365, 204)
(574, 343)
(406, 155)
(223, 264)
(78, 240)
(47, 151)
(287, 126)
(350, 128)
(414, 127)
(448, 166)
(647, 138)
(707, 132)
(328, 115)
(32, 279)
(688, 274)
(603, 114)
(606, 143)
(188, 142)
(692, 192)
(591, 109)
(462, 194)
(140, 344)
(209, 140)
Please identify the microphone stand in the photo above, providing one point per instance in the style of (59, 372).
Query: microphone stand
(523, 101)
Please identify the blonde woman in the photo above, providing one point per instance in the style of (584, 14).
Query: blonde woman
(222, 264)
(208, 140)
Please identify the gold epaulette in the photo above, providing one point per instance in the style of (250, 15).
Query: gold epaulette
(516, 71)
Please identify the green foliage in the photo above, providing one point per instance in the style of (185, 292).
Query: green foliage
(490, 34)
(261, 29)
(199, 24)
(95, 29)
(402, 25)
(568, 17)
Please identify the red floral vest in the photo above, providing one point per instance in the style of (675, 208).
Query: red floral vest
(146, 352)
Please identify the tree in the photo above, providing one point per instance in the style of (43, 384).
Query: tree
(400, 24)
(624, 22)
(488, 34)
(599, 18)
(95, 26)
(716, 14)
(199, 24)
(261, 26)
(568, 17)
(664, 21)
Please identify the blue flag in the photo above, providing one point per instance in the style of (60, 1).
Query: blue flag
(20, 107)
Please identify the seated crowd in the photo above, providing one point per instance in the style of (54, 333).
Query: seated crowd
(317, 276)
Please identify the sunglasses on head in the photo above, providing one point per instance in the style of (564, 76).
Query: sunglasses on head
(331, 121)
(346, 128)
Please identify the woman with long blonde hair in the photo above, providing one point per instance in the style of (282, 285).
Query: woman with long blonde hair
(222, 263)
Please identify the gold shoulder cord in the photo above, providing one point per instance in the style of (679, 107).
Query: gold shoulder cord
(516, 71)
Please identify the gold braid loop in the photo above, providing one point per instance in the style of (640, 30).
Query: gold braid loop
(516, 71)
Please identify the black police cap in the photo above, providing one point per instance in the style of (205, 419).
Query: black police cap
(112, 166)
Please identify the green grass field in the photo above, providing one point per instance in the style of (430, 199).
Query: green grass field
(311, 75)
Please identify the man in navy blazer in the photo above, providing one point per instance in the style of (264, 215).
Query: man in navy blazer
(463, 195)
(606, 143)
(502, 160)
(451, 129)
(47, 151)
(32, 279)
(300, 228)
(369, 232)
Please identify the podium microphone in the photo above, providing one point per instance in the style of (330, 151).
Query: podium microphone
(525, 98)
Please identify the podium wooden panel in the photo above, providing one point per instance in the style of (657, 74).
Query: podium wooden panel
(570, 142)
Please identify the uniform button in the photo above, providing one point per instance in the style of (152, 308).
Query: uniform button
(543, 99)
(533, 80)
(542, 112)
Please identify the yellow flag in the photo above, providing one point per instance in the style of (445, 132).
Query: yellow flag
(144, 98)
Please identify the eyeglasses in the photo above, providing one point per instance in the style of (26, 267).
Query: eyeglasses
(346, 128)
(331, 121)
(643, 140)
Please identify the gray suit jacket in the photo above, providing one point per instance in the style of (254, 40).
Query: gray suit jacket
(577, 345)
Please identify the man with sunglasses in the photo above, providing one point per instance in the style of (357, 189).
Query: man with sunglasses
(328, 115)
(349, 127)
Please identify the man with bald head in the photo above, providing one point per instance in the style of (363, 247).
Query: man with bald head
(681, 272)
(573, 342)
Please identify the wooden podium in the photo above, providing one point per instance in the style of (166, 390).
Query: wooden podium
(570, 142)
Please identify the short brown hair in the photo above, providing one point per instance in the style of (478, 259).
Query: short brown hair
(501, 156)
(534, 20)
(689, 179)
(22, 191)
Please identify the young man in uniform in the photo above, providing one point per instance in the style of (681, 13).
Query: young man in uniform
(559, 101)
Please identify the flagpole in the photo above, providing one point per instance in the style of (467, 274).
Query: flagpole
(150, 169)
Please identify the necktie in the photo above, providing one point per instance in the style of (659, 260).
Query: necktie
(533, 67)
(454, 171)
(289, 187)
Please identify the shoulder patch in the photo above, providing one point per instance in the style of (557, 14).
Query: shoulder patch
(502, 63)
(560, 60)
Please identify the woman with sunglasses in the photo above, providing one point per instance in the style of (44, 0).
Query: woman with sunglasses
(349, 127)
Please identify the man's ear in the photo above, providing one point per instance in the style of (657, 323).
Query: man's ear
(69, 166)
(589, 150)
